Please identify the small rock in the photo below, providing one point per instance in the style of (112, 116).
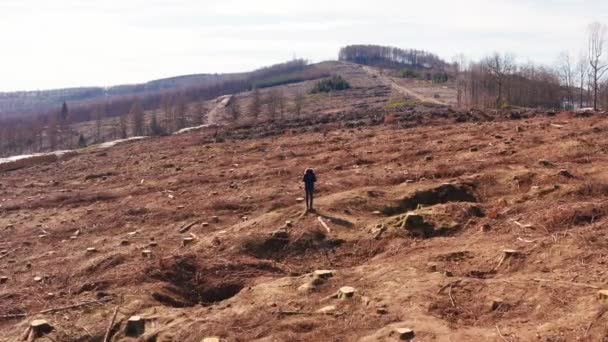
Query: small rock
(486, 228)
(519, 129)
(377, 212)
(125, 243)
(307, 287)
(37, 279)
(346, 292)
(545, 163)
(431, 267)
(40, 327)
(428, 158)
(473, 149)
(300, 199)
(330, 309)
(289, 223)
(211, 339)
(135, 326)
(215, 219)
(405, 333)
(153, 244)
(91, 250)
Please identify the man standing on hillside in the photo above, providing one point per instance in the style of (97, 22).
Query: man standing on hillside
(309, 185)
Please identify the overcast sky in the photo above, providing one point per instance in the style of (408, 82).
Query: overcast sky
(65, 43)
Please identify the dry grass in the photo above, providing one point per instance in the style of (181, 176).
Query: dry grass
(570, 216)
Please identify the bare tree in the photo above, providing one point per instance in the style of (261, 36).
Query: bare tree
(137, 118)
(99, 115)
(234, 109)
(51, 133)
(200, 113)
(298, 104)
(122, 127)
(271, 104)
(178, 113)
(281, 103)
(566, 74)
(597, 39)
(255, 106)
(500, 68)
(582, 71)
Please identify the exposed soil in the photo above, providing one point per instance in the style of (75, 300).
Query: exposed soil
(525, 263)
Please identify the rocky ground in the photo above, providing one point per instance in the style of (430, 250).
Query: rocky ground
(461, 226)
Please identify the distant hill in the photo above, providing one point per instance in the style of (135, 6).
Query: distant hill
(38, 102)
(117, 99)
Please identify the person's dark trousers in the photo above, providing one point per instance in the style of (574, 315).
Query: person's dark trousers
(309, 197)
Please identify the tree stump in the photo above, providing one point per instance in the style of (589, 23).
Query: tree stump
(135, 326)
(346, 292)
(40, 327)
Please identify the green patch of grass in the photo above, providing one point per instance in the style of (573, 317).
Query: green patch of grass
(401, 104)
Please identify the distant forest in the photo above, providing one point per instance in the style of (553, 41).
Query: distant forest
(117, 100)
(392, 57)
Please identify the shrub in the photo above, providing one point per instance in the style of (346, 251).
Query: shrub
(407, 73)
(327, 85)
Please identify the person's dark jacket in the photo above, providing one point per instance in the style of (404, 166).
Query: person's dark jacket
(309, 180)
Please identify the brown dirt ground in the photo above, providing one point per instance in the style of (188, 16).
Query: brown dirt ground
(238, 282)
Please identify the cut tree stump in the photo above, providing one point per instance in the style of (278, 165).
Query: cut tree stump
(324, 274)
(405, 333)
(507, 253)
(135, 326)
(346, 292)
(187, 241)
(146, 253)
(40, 327)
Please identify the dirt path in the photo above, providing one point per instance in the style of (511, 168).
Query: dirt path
(403, 90)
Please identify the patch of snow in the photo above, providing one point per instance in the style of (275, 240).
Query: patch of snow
(189, 129)
(112, 143)
(34, 155)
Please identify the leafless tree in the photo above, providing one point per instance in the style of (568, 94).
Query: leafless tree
(137, 118)
(500, 68)
(99, 115)
(233, 109)
(122, 127)
(281, 103)
(597, 62)
(51, 133)
(566, 74)
(255, 106)
(298, 104)
(271, 104)
(582, 72)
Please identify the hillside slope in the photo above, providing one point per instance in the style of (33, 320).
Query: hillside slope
(504, 240)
